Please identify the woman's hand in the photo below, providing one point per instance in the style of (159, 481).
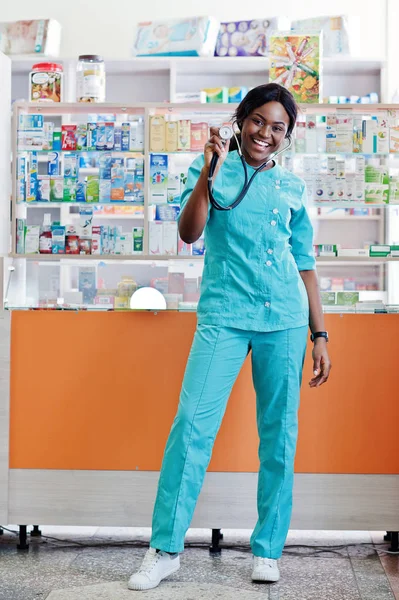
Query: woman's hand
(214, 144)
(321, 363)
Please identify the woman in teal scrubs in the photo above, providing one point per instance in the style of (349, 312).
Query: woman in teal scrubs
(259, 294)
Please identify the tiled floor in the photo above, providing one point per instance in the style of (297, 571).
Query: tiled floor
(348, 569)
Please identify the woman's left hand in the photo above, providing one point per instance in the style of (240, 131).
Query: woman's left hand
(321, 363)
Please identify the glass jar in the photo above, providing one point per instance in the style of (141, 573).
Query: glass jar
(45, 83)
(90, 79)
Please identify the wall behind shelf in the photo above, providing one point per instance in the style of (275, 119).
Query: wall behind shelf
(96, 27)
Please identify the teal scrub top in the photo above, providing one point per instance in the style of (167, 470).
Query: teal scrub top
(254, 252)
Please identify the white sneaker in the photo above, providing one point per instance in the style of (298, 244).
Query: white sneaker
(265, 569)
(155, 567)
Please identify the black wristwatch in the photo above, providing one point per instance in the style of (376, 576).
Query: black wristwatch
(318, 334)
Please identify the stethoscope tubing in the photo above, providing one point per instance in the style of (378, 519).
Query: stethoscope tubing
(247, 184)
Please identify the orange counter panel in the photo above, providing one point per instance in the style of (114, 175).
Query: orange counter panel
(99, 391)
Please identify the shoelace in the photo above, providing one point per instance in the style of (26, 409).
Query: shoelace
(149, 562)
(270, 562)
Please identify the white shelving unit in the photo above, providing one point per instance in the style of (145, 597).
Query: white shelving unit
(330, 228)
(146, 79)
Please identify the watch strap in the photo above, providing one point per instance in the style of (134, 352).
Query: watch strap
(319, 334)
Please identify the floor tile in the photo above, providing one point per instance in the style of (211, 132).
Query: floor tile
(168, 591)
(55, 570)
(389, 562)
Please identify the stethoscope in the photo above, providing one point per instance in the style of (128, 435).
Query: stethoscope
(226, 132)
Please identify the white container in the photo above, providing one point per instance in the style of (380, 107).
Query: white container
(90, 79)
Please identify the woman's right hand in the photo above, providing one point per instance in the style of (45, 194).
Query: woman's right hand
(214, 144)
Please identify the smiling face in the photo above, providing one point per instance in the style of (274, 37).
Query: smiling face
(263, 132)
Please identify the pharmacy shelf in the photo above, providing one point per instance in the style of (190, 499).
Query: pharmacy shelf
(59, 204)
(103, 257)
(341, 65)
(112, 217)
(110, 257)
(346, 218)
(356, 260)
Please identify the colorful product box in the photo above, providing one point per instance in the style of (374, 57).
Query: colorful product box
(69, 141)
(328, 298)
(117, 184)
(295, 63)
(129, 185)
(81, 137)
(184, 249)
(311, 134)
(136, 143)
(57, 140)
(184, 135)
(43, 188)
(87, 284)
(91, 136)
(53, 163)
(32, 179)
(124, 244)
(344, 141)
(105, 190)
(248, 38)
(69, 190)
(170, 238)
(155, 232)
(237, 94)
(198, 247)
(101, 136)
(96, 239)
(92, 189)
(139, 181)
(174, 188)
(217, 95)
(158, 178)
(199, 136)
(157, 133)
(58, 239)
(21, 177)
(118, 138)
(394, 140)
(347, 298)
(48, 132)
(30, 122)
(171, 136)
(166, 212)
(109, 136)
(30, 140)
(56, 189)
(80, 191)
(300, 137)
(70, 165)
(369, 136)
(105, 165)
(21, 224)
(32, 238)
(138, 240)
(125, 140)
(380, 250)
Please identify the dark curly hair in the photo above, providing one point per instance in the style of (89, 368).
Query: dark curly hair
(262, 94)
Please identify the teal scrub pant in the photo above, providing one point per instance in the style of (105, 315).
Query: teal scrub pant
(216, 357)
